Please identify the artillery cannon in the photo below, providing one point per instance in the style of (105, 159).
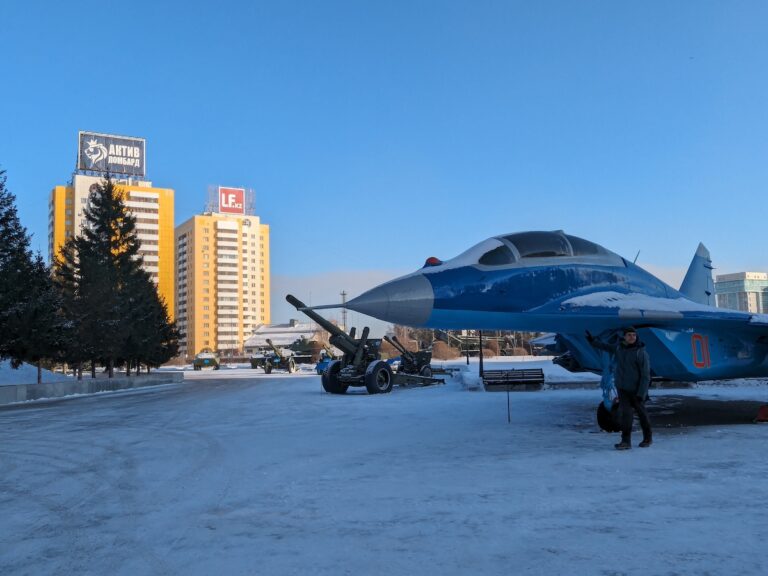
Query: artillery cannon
(275, 359)
(326, 357)
(412, 362)
(360, 364)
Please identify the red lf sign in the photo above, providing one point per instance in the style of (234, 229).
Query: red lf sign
(232, 200)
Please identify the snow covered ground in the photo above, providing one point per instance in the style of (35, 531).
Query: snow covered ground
(25, 374)
(235, 472)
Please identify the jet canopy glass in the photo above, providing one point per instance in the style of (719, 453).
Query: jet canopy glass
(524, 247)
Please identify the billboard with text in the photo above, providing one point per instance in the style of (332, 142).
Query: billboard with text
(111, 153)
(231, 200)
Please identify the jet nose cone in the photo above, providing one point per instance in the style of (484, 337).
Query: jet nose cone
(407, 300)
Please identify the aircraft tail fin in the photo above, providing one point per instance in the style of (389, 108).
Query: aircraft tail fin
(697, 284)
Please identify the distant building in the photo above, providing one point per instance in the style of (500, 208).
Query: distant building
(222, 276)
(745, 291)
(281, 335)
(152, 207)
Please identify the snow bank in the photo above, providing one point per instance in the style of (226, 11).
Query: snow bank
(26, 374)
(469, 377)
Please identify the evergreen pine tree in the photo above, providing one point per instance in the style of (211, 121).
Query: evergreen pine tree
(110, 301)
(15, 271)
(108, 254)
(80, 338)
(40, 322)
(153, 338)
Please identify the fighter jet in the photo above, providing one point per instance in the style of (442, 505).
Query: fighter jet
(556, 282)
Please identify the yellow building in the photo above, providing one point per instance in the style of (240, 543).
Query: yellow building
(222, 279)
(153, 209)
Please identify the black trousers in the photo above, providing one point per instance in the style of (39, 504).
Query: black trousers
(628, 405)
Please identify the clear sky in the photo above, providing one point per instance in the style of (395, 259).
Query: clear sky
(376, 134)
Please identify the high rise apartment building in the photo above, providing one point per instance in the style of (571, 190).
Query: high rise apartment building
(152, 207)
(745, 291)
(125, 158)
(222, 277)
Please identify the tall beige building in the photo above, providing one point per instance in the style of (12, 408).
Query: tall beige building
(125, 158)
(152, 207)
(222, 277)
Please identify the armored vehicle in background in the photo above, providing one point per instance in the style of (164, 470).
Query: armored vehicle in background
(207, 358)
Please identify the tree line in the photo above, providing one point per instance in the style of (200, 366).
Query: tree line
(94, 306)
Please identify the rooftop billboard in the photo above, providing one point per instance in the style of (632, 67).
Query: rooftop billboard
(111, 153)
(231, 200)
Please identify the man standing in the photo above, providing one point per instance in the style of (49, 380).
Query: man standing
(632, 375)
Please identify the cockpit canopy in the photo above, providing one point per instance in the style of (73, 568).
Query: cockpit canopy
(526, 248)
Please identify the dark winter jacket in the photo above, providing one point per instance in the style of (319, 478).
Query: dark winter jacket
(632, 369)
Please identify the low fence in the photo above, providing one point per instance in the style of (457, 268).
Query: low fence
(24, 392)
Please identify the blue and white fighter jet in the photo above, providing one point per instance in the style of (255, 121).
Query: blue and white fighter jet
(555, 282)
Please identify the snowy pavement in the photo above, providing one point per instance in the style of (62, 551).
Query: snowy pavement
(235, 472)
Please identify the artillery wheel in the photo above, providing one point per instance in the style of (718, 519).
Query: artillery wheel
(608, 420)
(378, 378)
(330, 379)
(291, 366)
(267, 367)
(426, 371)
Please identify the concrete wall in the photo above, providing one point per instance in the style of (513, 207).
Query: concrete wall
(24, 392)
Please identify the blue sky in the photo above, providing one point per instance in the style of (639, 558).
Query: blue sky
(378, 134)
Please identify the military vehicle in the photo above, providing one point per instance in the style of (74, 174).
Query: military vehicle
(412, 362)
(279, 359)
(206, 358)
(361, 363)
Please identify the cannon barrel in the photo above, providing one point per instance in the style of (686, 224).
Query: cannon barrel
(279, 355)
(394, 345)
(338, 338)
(402, 349)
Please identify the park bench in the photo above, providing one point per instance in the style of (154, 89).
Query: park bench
(511, 380)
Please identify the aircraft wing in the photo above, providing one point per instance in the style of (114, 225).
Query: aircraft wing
(614, 309)
(686, 340)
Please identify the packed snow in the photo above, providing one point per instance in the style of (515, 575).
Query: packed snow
(25, 374)
(236, 472)
(610, 299)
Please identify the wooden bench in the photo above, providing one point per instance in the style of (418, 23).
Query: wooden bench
(507, 380)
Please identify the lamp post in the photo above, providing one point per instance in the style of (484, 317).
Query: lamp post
(480, 334)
